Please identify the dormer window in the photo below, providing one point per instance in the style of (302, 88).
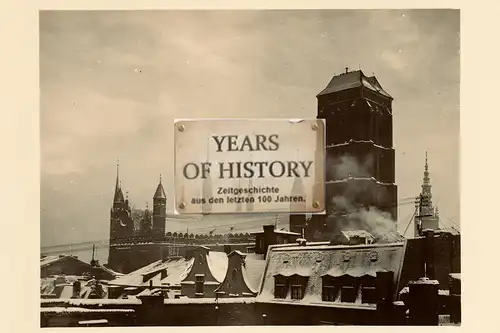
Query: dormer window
(200, 283)
(368, 291)
(280, 285)
(349, 290)
(330, 289)
(298, 286)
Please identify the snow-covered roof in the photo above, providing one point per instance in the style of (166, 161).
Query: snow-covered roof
(175, 272)
(352, 80)
(352, 141)
(356, 233)
(61, 287)
(283, 232)
(52, 259)
(217, 263)
(345, 180)
(253, 270)
(317, 260)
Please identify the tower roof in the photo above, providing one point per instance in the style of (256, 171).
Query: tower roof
(118, 190)
(354, 79)
(160, 192)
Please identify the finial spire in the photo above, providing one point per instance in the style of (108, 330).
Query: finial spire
(160, 178)
(118, 184)
(426, 164)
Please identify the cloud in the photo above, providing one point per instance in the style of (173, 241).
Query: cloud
(112, 83)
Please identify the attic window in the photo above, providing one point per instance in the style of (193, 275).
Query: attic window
(330, 290)
(349, 290)
(280, 289)
(298, 286)
(200, 282)
(368, 291)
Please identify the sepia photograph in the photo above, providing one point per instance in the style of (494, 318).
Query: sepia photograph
(250, 167)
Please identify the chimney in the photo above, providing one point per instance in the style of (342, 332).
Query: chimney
(429, 254)
(227, 249)
(163, 274)
(347, 70)
(77, 287)
(269, 237)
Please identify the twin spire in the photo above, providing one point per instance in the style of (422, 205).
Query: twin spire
(159, 193)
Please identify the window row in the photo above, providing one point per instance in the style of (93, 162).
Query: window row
(334, 289)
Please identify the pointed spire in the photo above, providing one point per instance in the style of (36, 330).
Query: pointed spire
(426, 163)
(160, 192)
(118, 190)
(118, 173)
(426, 194)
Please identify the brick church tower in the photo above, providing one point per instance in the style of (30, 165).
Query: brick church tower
(360, 159)
(121, 226)
(159, 212)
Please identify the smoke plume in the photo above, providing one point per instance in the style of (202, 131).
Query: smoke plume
(347, 211)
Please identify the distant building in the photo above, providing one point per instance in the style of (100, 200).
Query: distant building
(131, 248)
(270, 236)
(72, 266)
(427, 216)
(360, 158)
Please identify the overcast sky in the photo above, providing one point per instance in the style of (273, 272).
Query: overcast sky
(113, 82)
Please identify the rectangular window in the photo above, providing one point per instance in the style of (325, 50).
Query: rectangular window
(200, 282)
(330, 293)
(368, 294)
(280, 289)
(348, 294)
(330, 289)
(298, 287)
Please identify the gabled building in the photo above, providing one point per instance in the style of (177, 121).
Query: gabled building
(65, 287)
(206, 274)
(271, 236)
(165, 275)
(324, 274)
(243, 275)
(71, 265)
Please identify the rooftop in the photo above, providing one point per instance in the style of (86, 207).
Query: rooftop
(315, 260)
(352, 80)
